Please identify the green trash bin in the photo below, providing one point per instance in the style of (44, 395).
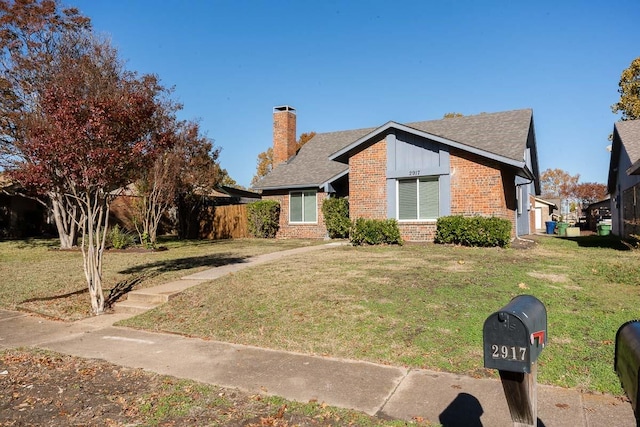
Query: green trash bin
(604, 229)
(562, 228)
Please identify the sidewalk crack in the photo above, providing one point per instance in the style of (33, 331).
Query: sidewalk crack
(380, 411)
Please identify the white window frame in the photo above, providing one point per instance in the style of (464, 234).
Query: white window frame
(417, 180)
(305, 196)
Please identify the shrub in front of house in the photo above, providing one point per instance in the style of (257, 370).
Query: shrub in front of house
(473, 231)
(336, 217)
(264, 217)
(120, 238)
(375, 232)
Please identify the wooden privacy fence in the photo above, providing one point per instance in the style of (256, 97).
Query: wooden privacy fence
(224, 222)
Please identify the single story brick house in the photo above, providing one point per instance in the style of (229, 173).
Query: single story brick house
(485, 164)
(624, 179)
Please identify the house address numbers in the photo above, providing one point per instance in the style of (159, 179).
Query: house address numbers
(414, 172)
(505, 352)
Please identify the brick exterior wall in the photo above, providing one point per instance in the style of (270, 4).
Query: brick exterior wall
(297, 231)
(424, 231)
(478, 188)
(368, 182)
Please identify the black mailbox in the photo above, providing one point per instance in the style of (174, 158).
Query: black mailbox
(627, 361)
(515, 335)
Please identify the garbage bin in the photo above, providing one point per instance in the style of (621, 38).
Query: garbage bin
(604, 229)
(551, 226)
(562, 228)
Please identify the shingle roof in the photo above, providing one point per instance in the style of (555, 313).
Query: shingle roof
(629, 132)
(626, 136)
(311, 166)
(504, 134)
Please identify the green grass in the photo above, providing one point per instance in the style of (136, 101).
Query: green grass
(419, 305)
(422, 306)
(36, 275)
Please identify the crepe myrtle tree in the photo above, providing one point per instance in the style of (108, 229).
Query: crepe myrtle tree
(89, 136)
(30, 32)
(186, 167)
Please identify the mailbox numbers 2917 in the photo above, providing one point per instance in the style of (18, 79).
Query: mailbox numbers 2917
(508, 352)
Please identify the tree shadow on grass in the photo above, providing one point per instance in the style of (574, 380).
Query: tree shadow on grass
(35, 242)
(211, 261)
(605, 242)
(56, 297)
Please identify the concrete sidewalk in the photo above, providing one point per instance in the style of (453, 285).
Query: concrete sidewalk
(452, 400)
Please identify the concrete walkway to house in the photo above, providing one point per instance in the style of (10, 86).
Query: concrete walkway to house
(390, 391)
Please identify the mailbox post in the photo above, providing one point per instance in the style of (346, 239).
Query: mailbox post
(513, 338)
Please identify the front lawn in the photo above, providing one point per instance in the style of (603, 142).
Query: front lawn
(419, 305)
(36, 276)
(422, 305)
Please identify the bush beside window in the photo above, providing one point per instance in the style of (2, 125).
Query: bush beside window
(375, 232)
(264, 218)
(336, 217)
(473, 231)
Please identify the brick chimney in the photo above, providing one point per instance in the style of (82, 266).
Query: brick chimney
(284, 134)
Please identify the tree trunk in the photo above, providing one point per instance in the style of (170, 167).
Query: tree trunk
(95, 220)
(65, 215)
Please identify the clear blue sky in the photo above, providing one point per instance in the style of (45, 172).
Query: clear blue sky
(354, 64)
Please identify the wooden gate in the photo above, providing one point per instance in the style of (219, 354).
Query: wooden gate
(224, 222)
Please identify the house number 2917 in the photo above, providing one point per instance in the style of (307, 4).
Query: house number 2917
(414, 173)
(508, 352)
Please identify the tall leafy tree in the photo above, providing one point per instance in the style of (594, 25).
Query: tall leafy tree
(200, 174)
(30, 32)
(181, 174)
(88, 136)
(590, 192)
(629, 89)
(558, 183)
(264, 164)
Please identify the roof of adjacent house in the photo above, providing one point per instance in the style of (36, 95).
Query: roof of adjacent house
(629, 132)
(501, 135)
(626, 134)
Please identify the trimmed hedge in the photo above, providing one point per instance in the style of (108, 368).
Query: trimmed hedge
(473, 231)
(375, 232)
(264, 218)
(336, 217)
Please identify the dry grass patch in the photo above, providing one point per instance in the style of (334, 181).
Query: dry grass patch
(403, 305)
(550, 277)
(36, 276)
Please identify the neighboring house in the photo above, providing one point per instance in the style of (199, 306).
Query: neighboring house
(543, 211)
(225, 195)
(416, 172)
(20, 216)
(624, 178)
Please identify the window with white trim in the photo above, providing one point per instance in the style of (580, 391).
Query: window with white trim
(418, 199)
(303, 206)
